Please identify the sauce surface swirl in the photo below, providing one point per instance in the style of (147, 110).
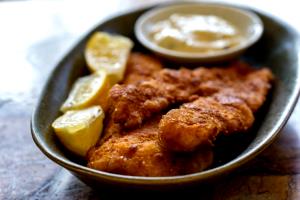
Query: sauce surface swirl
(195, 33)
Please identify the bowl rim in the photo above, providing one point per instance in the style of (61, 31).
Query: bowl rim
(165, 180)
(257, 25)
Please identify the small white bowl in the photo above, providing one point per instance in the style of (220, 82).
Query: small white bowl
(248, 23)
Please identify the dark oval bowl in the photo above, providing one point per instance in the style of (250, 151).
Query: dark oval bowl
(277, 49)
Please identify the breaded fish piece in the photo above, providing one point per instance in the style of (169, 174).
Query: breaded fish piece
(132, 104)
(140, 67)
(228, 111)
(199, 123)
(138, 142)
(138, 153)
(250, 85)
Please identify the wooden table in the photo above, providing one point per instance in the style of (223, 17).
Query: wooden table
(34, 36)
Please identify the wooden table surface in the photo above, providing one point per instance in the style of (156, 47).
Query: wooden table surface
(35, 35)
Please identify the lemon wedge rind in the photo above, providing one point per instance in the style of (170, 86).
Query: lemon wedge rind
(79, 130)
(87, 91)
(108, 52)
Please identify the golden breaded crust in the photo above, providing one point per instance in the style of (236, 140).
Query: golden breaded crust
(198, 123)
(229, 109)
(132, 104)
(138, 153)
(138, 141)
(140, 67)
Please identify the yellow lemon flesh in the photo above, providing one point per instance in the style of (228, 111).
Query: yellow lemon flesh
(79, 130)
(108, 52)
(87, 91)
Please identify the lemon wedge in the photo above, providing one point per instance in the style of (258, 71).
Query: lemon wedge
(108, 52)
(87, 91)
(79, 130)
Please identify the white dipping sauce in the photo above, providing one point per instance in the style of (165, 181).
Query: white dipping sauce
(195, 33)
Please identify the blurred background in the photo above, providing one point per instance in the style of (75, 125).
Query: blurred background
(34, 36)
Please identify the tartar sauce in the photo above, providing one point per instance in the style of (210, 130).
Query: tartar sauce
(195, 33)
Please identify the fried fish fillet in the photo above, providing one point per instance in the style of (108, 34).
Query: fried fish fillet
(198, 123)
(228, 111)
(138, 141)
(139, 153)
(134, 103)
(250, 85)
(140, 67)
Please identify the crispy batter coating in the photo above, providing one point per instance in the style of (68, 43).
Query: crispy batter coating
(140, 67)
(228, 111)
(138, 153)
(198, 123)
(254, 90)
(140, 141)
(134, 103)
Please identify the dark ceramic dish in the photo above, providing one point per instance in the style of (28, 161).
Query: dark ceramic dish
(277, 49)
